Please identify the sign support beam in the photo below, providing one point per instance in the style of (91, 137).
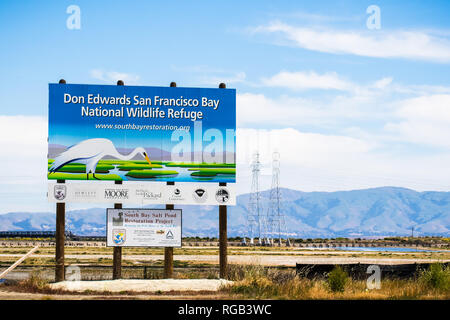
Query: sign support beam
(223, 238)
(168, 256)
(223, 241)
(117, 253)
(60, 234)
(59, 241)
(168, 251)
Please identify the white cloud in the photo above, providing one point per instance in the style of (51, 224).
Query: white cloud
(322, 162)
(424, 120)
(111, 77)
(383, 101)
(363, 104)
(23, 141)
(307, 80)
(299, 148)
(434, 108)
(23, 145)
(257, 109)
(376, 139)
(383, 83)
(22, 132)
(418, 45)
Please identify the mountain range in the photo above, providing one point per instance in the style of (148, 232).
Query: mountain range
(376, 212)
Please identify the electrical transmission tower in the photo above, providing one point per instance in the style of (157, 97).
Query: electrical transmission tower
(276, 223)
(254, 217)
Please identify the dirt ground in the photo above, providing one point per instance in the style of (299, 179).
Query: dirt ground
(139, 285)
(7, 294)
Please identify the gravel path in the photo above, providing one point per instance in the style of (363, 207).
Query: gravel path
(165, 285)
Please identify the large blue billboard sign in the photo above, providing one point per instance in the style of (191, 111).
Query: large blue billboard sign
(137, 133)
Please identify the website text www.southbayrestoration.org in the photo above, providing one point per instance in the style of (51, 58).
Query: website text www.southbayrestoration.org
(139, 127)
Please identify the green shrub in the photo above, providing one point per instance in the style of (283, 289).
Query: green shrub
(337, 279)
(241, 272)
(436, 277)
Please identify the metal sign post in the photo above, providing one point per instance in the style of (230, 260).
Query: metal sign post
(60, 239)
(60, 233)
(168, 251)
(117, 253)
(223, 241)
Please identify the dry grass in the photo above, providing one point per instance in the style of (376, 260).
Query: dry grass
(35, 282)
(260, 283)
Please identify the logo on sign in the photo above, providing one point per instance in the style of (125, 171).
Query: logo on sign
(60, 192)
(169, 235)
(200, 195)
(116, 194)
(119, 236)
(222, 195)
(84, 194)
(149, 194)
(176, 195)
(118, 221)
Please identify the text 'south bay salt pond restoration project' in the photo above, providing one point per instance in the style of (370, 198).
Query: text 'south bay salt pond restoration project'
(143, 227)
(141, 134)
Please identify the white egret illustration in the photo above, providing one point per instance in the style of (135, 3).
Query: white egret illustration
(90, 152)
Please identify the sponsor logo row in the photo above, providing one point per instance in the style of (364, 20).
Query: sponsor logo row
(209, 194)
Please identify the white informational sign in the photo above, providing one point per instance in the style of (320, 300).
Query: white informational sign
(143, 228)
(143, 194)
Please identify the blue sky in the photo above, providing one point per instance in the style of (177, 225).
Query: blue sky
(346, 106)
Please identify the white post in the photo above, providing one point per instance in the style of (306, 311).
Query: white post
(4, 273)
